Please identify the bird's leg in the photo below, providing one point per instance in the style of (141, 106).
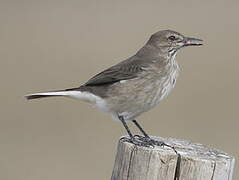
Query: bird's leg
(141, 129)
(132, 138)
(126, 127)
(141, 141)
(146, 137)
(149, 141)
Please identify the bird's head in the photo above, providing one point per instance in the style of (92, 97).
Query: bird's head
(171, 41)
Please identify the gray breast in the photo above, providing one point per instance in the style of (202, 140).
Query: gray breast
(166, 83)
(132, 97)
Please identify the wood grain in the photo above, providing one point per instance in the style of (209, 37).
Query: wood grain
(193, 162)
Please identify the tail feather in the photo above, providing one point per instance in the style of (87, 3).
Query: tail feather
(75, 94)
(45, 94)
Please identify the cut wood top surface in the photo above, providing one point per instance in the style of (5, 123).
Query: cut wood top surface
(194, 161)
(189, 149)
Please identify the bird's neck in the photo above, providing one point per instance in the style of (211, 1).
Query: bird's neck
(151, 52)
(159, 60)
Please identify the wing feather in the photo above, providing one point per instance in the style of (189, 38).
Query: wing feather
(125, 70)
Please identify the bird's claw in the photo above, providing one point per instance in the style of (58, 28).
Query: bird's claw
(146, 142)
(137, 142)
(143, 141)
(150, 141)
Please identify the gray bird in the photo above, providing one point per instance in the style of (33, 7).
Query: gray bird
(134, 85)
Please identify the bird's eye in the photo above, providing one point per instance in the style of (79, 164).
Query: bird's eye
(172, 38)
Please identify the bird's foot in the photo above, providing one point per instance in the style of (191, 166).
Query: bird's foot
(152, 142)
(146, 142)
(149, 140)
(137, 141)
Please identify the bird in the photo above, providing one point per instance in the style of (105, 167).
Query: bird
(135, 85)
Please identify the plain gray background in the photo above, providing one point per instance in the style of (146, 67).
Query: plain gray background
(56, 44)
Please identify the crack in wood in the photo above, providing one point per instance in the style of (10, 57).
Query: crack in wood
(177, 169)
(213, 171)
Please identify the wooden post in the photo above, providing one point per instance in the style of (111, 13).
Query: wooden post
(193, 162)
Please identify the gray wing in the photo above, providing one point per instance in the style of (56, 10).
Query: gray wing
(125, 70)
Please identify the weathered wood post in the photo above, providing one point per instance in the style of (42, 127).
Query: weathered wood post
(193, 162)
